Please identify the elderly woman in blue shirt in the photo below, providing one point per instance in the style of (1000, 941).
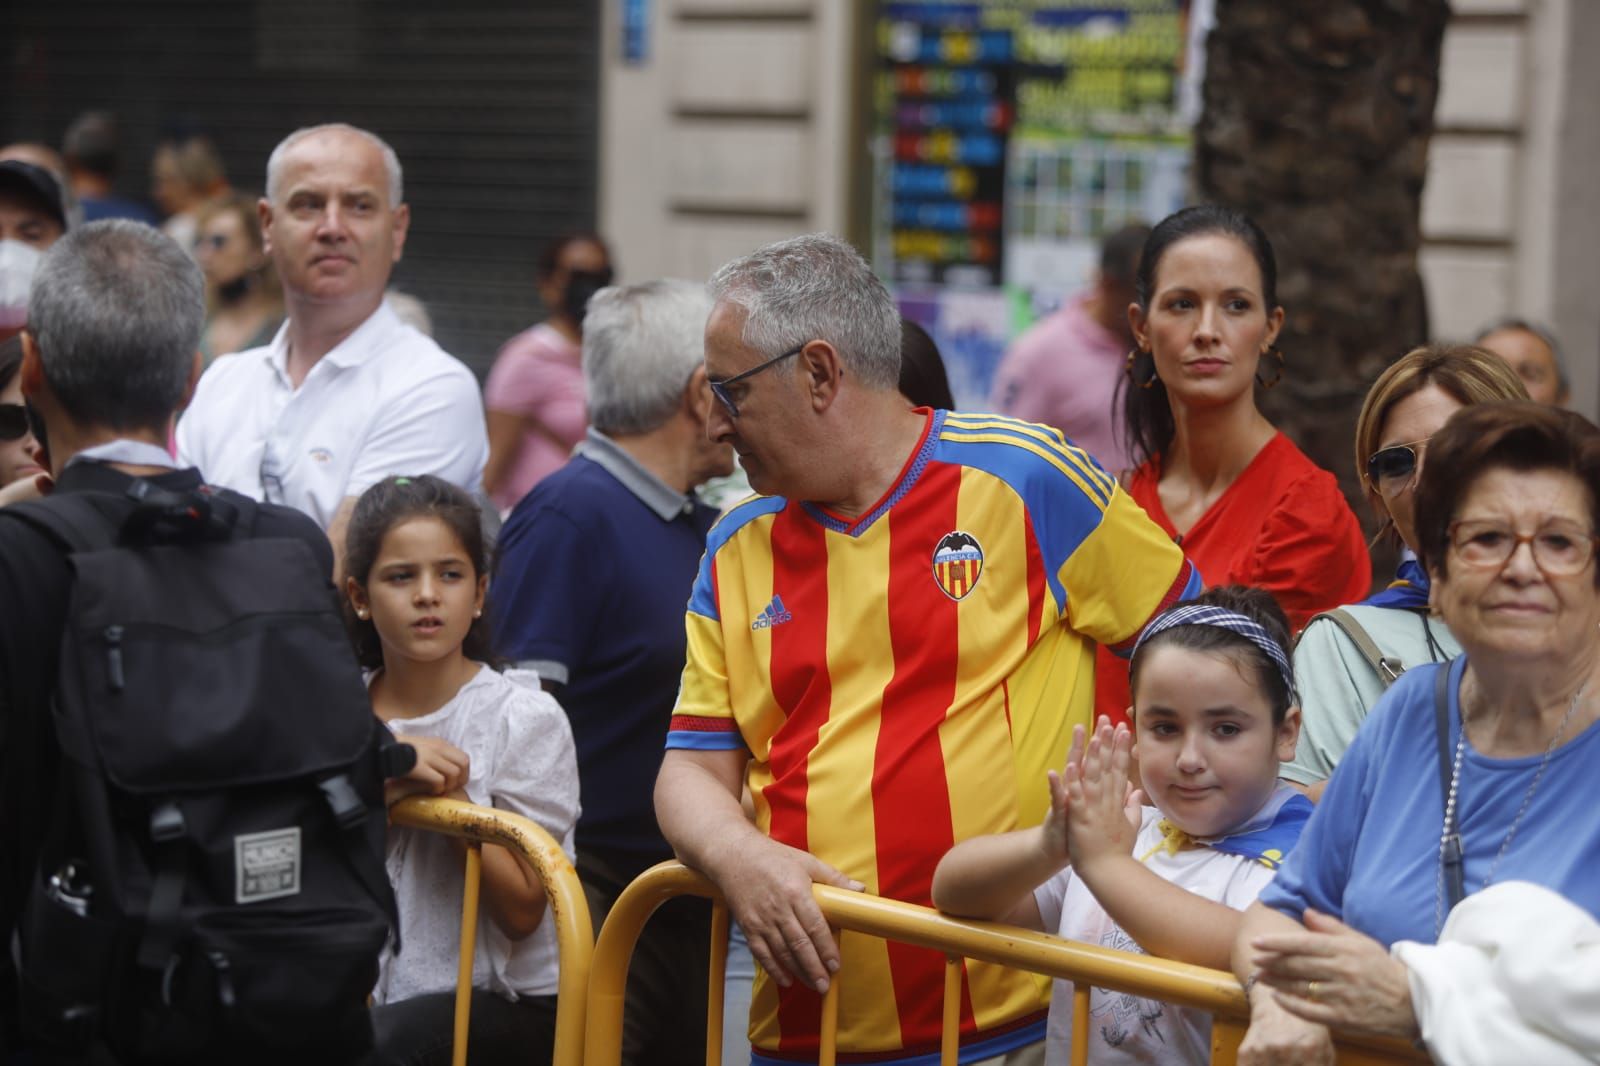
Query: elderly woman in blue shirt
(1506, 517)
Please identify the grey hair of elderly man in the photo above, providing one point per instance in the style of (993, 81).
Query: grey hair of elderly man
(641, 345)
(815, 287)
(114, 320)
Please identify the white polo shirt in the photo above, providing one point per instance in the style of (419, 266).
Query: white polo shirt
(387, 400)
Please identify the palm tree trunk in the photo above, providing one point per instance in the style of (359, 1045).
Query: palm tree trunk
(1316, 121)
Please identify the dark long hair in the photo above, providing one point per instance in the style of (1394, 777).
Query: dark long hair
(1147, 411)
(923, 380)
(389, 503)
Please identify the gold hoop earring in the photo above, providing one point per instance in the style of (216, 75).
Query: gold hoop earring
(1133, 376)
(1277, 375)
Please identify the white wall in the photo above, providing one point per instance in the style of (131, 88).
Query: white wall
(1511, 211)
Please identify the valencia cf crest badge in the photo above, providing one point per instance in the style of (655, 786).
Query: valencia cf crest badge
(957, 564)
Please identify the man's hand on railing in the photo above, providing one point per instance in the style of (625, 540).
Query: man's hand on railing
(770, 897)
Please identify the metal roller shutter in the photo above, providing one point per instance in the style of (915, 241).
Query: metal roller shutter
(491, 105)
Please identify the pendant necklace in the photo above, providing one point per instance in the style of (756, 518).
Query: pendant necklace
(1527, 799)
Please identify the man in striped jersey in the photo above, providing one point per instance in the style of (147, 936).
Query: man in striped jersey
(890, 647)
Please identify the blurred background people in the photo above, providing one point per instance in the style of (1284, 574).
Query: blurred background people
(1533, 353)
(244, 302)
(534, 396)
(410, 310)
(90, 150)
(1333, 664)
(1246, 505)
(1064, 371)
(33, 216)
(185, 172)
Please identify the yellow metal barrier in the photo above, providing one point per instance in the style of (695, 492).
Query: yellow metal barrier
(1087, 966)
(566, 907)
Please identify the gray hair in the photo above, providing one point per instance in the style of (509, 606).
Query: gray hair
(391, 162)
(815, 287)
(1542, 332)
(116, 309)
(641, 344)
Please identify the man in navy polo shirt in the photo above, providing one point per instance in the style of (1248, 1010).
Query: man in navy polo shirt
(595, 567)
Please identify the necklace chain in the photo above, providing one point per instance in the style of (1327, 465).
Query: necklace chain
(1527, 799)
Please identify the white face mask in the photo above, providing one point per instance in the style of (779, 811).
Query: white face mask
(18, 262)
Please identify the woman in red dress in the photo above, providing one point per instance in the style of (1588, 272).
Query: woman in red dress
(1247, 506)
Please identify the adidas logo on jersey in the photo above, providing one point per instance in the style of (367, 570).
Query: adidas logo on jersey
(775, 614)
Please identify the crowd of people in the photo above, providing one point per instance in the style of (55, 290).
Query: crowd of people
(1106, 664)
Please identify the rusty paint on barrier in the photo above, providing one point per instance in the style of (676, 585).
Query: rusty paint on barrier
(1089, 965)
(565, 907)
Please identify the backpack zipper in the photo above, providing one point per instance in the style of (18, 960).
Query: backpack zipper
(114, 656)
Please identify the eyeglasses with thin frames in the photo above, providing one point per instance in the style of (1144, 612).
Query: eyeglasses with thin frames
(719, 389)
(1560, 549)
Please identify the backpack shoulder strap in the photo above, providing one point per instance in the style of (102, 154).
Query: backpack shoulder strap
(1387, 667)
(71, 520)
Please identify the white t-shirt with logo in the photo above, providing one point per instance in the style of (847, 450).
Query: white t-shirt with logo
(1126, 1029)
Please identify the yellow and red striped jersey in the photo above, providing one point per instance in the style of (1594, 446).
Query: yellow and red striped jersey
(903, 681)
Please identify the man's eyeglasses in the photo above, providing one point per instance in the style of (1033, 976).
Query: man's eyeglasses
(719, 389)
(13, 421)
(1560, 548)
(1396, 463)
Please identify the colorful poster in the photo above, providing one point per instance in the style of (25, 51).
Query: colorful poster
(1012, 135)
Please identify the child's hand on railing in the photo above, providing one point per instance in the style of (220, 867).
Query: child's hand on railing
(1103, 811)
(441, 768)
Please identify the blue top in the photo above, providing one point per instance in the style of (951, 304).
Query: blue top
(1370, 854)
(594, 569)
(96, 208)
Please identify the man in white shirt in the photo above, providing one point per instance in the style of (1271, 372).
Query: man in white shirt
(346, 394)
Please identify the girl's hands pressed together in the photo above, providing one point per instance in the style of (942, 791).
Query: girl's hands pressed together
(1103, 812)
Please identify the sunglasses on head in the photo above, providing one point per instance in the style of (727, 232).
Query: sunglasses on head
(1396, 462)
(13, 421)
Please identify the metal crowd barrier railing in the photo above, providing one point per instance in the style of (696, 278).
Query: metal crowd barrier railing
(566, 909)
(1086, 966)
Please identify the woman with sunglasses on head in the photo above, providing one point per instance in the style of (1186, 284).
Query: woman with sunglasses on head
(1471, 783)
(1347, 658)
(1246, 505)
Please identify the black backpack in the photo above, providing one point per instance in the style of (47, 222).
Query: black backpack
(211, 886)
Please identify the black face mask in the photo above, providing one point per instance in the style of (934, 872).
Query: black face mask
(582, 284)
(231, 292)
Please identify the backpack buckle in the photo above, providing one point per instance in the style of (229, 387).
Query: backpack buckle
(344, 801)
(166, 823)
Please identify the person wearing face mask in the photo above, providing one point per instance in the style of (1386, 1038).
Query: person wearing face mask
(536, 409)
(33, 216)
(244, 300)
